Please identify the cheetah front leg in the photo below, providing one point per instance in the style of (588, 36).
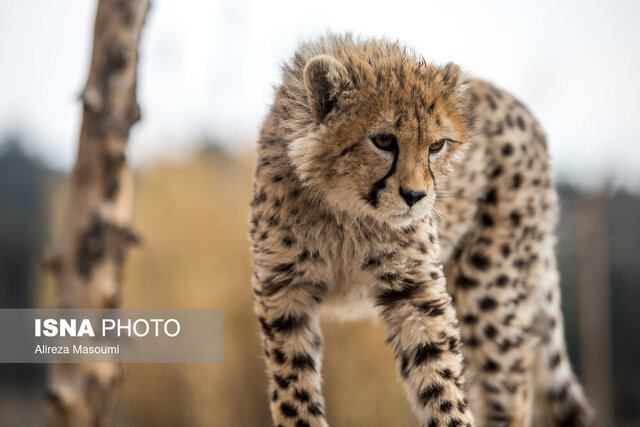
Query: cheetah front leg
(287, 311)
(423, 332)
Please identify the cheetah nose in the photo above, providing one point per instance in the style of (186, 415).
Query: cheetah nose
(412, 197)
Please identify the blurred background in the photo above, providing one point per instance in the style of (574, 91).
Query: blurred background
(205, 81)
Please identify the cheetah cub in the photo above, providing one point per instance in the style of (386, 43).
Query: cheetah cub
(386, 183)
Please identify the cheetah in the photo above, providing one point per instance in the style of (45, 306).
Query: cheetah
(388, 186)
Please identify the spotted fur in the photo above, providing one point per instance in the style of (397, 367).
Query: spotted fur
(387, 185)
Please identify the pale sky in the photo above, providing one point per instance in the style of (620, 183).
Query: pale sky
(207, 68)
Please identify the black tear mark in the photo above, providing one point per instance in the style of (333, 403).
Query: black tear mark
(348, 149)
(372, 197)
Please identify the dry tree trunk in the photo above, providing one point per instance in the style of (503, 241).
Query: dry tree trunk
(97, 229)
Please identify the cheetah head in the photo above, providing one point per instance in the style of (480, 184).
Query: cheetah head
(385, 130)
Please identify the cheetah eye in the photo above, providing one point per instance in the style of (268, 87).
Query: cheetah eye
(384, 141)
(437, 146)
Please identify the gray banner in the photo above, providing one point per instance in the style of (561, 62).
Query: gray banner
(110, 335)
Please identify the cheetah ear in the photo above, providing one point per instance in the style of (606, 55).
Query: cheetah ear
(325, 78)
(451, 76)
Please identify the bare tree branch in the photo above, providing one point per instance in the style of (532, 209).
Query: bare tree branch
(98, 231)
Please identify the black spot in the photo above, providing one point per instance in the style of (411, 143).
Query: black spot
(517, 367)
(274, 221)
(496, 406)
(472, 341)
(432, 308)
(555, 361)
(574, 416)
(272, 286)
(490, 365)
(502, 280)
(302, 395)
(446, 406)
(508, 318)
(516, 218)
(504, 346)
(317, 341)
(288, 241)
(511, 387)
(281, 381)
(314, 409)
(303, 361)
(487, 220)
(389, 277)
(508, 121)
(487, 304)
(505, 250)
(466, 282)
(266, 328)
(302, 423)
(274, 395)
(520, 122)
(433, 423)
(289, 322)
(404, 365)
(482, 240)
(259, 198)
(507, 150)
(304, 255)
(496, 172)
(490, 331)
(457, 252)
(491, 102)
(454, 345)
(425, 353)
(433, 391)
(279, 357)
(492, 196)
(394, 296)
(371, 262)
(283, 268)
(470, 319)
(462, 407)
(561, 394)
(288, 410)
(446, 374)
(517, 181)
(520, 264)
(480, 261)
